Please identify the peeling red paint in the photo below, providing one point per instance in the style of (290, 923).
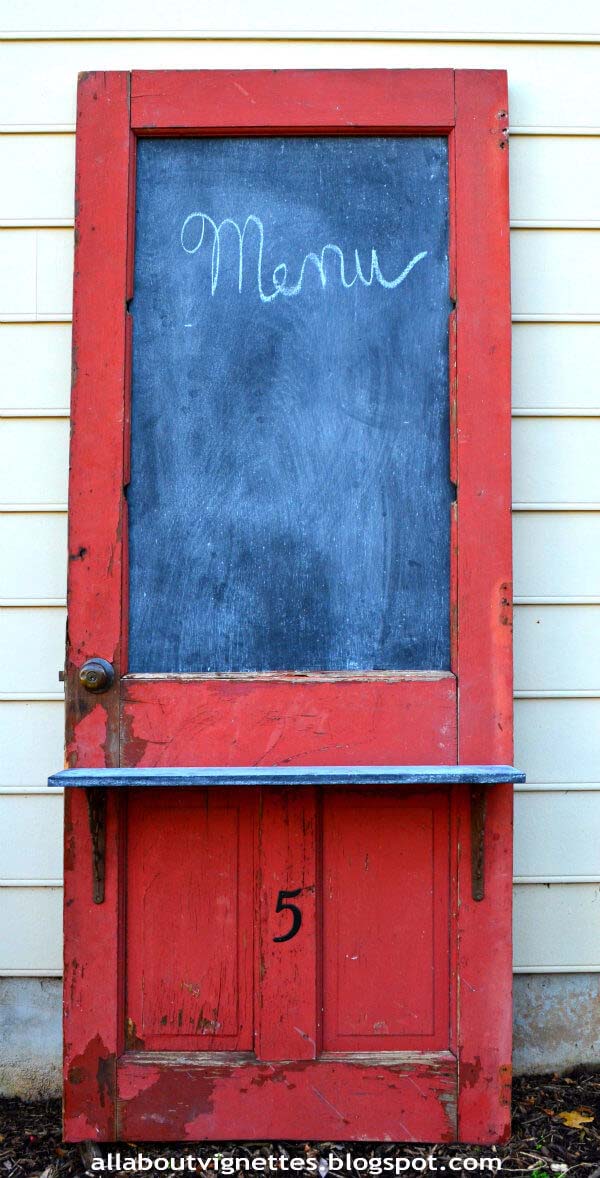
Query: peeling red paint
(285, 719)
(470, 1072)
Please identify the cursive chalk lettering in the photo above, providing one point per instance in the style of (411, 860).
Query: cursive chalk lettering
(194, 230)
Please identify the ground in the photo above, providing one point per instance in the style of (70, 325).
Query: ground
(556, 1129)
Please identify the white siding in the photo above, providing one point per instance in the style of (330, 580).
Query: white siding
(555, 367)
(31, 838)
(552, 54)
(34, 462)
(37, 569)
(551, 85)
(557, 841)
(35, 360)
(36, 274)
(380, 18)
(556, 555)
(39, 179)
(32, 650)
(31, 739)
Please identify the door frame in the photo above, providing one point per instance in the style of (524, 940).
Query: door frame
(470, 108)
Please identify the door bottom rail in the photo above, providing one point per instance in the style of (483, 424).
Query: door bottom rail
(351, 1096)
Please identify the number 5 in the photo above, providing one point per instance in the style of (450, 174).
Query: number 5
(281, 906)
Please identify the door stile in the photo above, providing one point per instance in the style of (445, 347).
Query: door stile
(288, 983)
(485, 592)
(93, 972)
(92, 961)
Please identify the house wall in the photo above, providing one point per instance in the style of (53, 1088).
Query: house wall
(552, 55)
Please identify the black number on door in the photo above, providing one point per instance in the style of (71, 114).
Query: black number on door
(282, 906)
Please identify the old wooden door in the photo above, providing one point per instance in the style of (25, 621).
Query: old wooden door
(289, 514)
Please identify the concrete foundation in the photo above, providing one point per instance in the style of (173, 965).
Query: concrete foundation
(30, 1037)
(556, 1021)
(557, 1027)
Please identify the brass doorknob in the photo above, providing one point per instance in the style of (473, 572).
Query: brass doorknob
(97, 675)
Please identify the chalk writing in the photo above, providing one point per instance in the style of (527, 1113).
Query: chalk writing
(192, 237)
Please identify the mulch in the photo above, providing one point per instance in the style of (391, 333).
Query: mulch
(556, 1130)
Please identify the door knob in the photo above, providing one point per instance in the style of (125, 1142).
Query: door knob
(97, 675)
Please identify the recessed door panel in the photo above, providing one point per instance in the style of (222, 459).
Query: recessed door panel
(190, 920)
(385, 921)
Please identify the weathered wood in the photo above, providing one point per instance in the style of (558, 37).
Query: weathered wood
(374, 724)
(288, 1015)
(285, 775)
(386, 915)
(484, 647)
(191, 872)
(267, 102)
(92, 963)
(295, 721)
(349, 1099)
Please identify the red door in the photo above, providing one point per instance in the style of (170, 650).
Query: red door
(272, 961)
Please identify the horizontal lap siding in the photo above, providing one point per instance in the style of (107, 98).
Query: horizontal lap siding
(38, 78)
(138, 18)
(555, 181)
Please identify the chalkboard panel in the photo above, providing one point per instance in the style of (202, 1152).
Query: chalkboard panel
(289, 496)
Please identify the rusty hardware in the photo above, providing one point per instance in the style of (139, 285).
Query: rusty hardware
(96, 800)
(97, 675)
(478, 807)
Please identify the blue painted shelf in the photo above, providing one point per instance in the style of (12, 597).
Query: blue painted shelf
(296, 776)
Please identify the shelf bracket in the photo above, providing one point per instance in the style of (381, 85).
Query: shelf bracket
(478, 809)
(96, 800)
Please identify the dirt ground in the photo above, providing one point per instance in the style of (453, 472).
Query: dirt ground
(556, 1130)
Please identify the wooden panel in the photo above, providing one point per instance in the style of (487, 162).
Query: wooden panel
(293, 722)
(556, 926)
(357, 1099)
(35, 556)
(557, 834)
(33, 461)
(484, 635)
(385, 921)
(554, 272)
(31, 739)
(31, 837)
(558, 739)
(556, 554)
(32, 649)
(262, 100)
(554, 365)
(382, 18)
(36, 362)
(556, 460)
(38, 79)
(197, 993)
(37, 273)
(31, 930)
(288, 1005)
(557, 647)
(554, 179)
(39, 177)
